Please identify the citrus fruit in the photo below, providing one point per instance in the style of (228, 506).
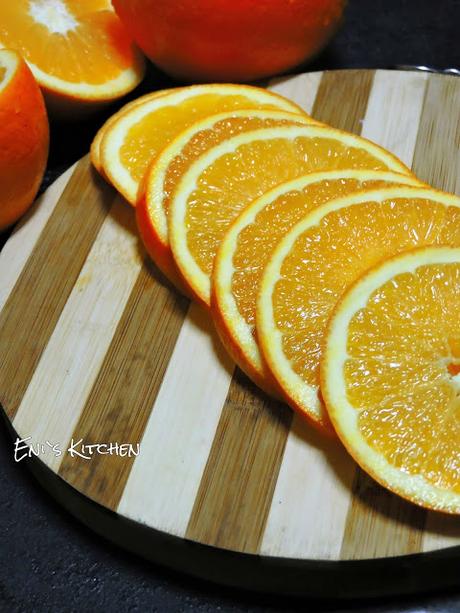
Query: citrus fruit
(165, 171)
(95, 149)
(315, 262)
(132, 142)
(24, 137)
(224, 180)
(229, 40)
(79, 52)
(390, 375)
(251, 239)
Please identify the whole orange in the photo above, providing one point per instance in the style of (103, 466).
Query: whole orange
(229, 40)
(24, 137)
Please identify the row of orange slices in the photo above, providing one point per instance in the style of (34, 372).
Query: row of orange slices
(300, 240)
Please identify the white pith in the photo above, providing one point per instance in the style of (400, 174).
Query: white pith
(54, 15)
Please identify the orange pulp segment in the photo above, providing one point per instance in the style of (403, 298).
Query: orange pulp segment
(318, 259)
(249, 243)
(223, 181)
(386, 377)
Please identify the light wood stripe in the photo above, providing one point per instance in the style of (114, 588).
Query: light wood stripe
(393, 527)
(70, 362)
(238, 483)
(126, 387)
(165, 477)
(19, 246)
(353, 92)
(437, 152)
(393, 112)
(441, 531)
(302, 89)
(313, 470)
(36, 302)
(218, 516)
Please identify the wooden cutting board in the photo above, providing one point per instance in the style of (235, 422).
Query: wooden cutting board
(96, 347)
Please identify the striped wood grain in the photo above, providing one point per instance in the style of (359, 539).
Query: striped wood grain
(95, 346)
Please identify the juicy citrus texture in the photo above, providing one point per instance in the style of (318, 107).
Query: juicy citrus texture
(229, 176)
(167, 169)
(250, 241)
(325, 252)
(24, 137)
(229, 40)
(387, 375)
(130, 145)
(74, 48)
(95, 150)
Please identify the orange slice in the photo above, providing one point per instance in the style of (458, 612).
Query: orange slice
(249, 243)
(167, 169)
(77, 50)
(24, 137)
(95, 149)
(224, 180)
(316, 261)
(131, 143)
(390, 375)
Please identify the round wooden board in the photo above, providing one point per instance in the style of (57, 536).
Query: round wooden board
(95, 347)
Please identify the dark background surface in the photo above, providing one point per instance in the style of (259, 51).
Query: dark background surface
(51, 563)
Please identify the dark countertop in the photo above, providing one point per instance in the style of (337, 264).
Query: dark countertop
(48, 561)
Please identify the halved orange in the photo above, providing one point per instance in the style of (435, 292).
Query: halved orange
(130, 144)
(390, 375)
(223, 181)
(24, 137)
(249, 243)
(167, 169)
(95, 149)
(78, 51)
(318, 259)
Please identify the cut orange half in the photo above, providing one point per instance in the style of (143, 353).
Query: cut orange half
(130, 144)
(77, 50)
(249, 243)
(228, 177)
(167, 169)
(320, 257)
(95, 150)
(390, 375)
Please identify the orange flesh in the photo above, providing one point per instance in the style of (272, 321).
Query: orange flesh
(236, 179)
(328, 257)
(62, 48)
(2, 74)
(258, 240)
(145, 140)
(204, 140)
(398, 374)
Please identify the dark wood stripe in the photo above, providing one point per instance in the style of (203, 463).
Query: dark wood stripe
(236, 491)
(41, 291)
(126, 387)
(237, 487)
(352, 89)
(379, 523)
(437, 150)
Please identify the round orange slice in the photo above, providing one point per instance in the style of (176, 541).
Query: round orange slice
(228, 177)
(390, 375)
(130, 144)
(95, 149)
(79, 52)
(249, 243)
(320, 257)
(167, 169)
